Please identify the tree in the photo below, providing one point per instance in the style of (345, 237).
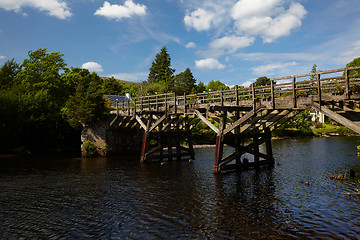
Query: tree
(184, 82)
(87, 106)
(201, 87)
(8, 72)
(354, 63)
(216, 86)
(161, 71)
(262, 81)
(313, 70)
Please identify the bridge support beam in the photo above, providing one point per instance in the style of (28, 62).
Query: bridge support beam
(168, 138)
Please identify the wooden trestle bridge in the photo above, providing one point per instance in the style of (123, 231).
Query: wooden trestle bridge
(242, 118)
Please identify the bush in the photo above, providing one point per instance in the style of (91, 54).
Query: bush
(90, 148)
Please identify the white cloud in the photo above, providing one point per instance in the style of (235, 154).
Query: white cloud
(55, 8)
(2, 57)
(92, 67)
(135, 77)
(191, 45)
(228, 44)
(268, 69)
(267, 18)
(246, 84)
(119, 12)
(199, 19)
(209, 63)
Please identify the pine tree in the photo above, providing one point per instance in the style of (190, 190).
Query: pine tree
(161, 71)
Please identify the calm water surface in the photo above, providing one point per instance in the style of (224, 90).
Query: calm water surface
(118, 198)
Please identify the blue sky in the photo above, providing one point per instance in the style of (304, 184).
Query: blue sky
(234, 41)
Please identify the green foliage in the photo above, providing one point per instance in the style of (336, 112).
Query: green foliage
(33, 98)
(313, 70)
(201, 87)
(262, 81)
(216, 86)
(7, 73)
(88, 105)
(161, 71)
(297, 126)
(90, 148)
(354, 63)
(184, 82)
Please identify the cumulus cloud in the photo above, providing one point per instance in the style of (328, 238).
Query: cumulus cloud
(191, 45)
(267, 18)
(268, 69)
(119, 12)
(2, 57)
(229, 44)
(92, 67)
(199, 19)
(246, 84)
(209, 63)
(55, 8)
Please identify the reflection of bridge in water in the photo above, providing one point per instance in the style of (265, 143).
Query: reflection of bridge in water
(242, 118)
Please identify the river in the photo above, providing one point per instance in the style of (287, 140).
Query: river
(57, 197)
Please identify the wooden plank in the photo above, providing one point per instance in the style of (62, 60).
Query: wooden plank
(142, 124)
(240, 121)
(207, 122)
(160, 120)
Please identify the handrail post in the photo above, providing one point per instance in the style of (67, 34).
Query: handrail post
(175, 107)
(253, 96)
(222, 97)
(141, 107)
(135, 107)
(166, 104)
(117, 107)
(347, 83)
(157, 103)
(272, 95)
(294, 91)
(236, 95)
(185, 103)
(319, 88)
(128, 106)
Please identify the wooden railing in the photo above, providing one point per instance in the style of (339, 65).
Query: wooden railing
(294, 86)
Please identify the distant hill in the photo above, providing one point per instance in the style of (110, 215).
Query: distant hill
(123, 81)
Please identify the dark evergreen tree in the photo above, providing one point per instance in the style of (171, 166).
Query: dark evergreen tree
(161, 72)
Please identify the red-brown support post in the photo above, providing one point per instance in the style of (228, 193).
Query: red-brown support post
(144, 146)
